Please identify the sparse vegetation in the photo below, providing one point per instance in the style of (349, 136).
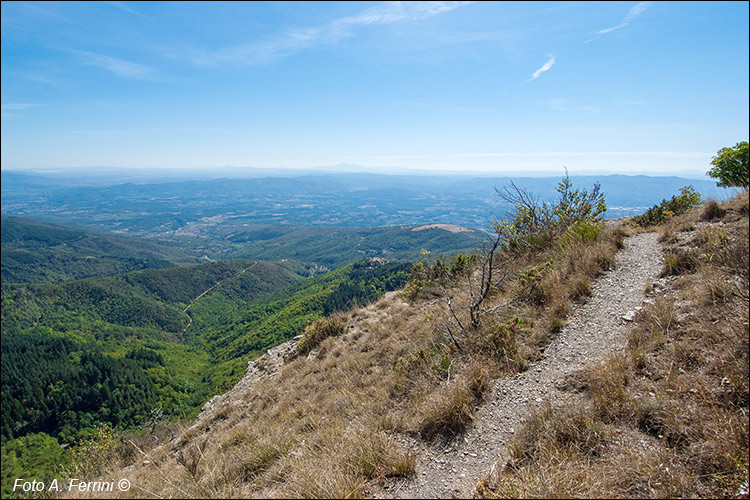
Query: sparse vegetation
(669, 416)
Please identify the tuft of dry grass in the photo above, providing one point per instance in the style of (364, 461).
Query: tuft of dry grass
(446, 412)
(331, 326)
(557, 432)
(712, 211)
(680, 261)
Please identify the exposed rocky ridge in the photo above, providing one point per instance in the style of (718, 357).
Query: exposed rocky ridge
(265, 367)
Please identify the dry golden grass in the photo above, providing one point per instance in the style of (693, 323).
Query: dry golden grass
(670, 413)
(324, 426)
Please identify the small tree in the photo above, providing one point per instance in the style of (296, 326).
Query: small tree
(730, 166)
(534, 223)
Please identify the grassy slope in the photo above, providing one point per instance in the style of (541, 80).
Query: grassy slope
(667, 417)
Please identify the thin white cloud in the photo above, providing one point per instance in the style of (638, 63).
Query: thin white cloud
(16, 106)
(296, 40)
(126, 8)
(390, 12)
(9, 108)
(567, 104)
(635, 11)
(545, 67)
(117, 66)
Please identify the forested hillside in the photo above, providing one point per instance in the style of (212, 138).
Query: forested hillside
(102, 328)
(44, 252)
(35, 252)
(112, 349)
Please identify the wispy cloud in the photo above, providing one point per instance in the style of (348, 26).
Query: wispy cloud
(390, 12)
(122, 6)
(9, 108)
(635, 11)
(117, 66)
(294, 41)
(567, 104)
(545, 67)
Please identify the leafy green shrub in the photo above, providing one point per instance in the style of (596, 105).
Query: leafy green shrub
(664, 211)
(584, 231)
(536, 224)
(96, 454)
(426, 274)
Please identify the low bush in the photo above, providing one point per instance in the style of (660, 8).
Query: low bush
(667, 209)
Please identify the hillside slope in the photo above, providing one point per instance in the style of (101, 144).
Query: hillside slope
(396, 398)
(42, 252)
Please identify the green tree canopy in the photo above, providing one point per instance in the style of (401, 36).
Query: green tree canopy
(730, 166)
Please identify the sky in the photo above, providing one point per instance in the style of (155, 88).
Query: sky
(626, 87)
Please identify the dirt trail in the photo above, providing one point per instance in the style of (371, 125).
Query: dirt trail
(594, 330)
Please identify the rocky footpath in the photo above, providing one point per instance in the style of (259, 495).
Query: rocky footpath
(593, 331)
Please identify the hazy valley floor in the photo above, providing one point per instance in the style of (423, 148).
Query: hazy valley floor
(593, 330)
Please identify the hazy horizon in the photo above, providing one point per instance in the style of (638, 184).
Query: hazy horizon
(238, 170)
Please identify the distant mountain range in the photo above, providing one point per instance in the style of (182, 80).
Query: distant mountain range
(126, 203)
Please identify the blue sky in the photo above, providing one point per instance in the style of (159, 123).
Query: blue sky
(487, 86)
